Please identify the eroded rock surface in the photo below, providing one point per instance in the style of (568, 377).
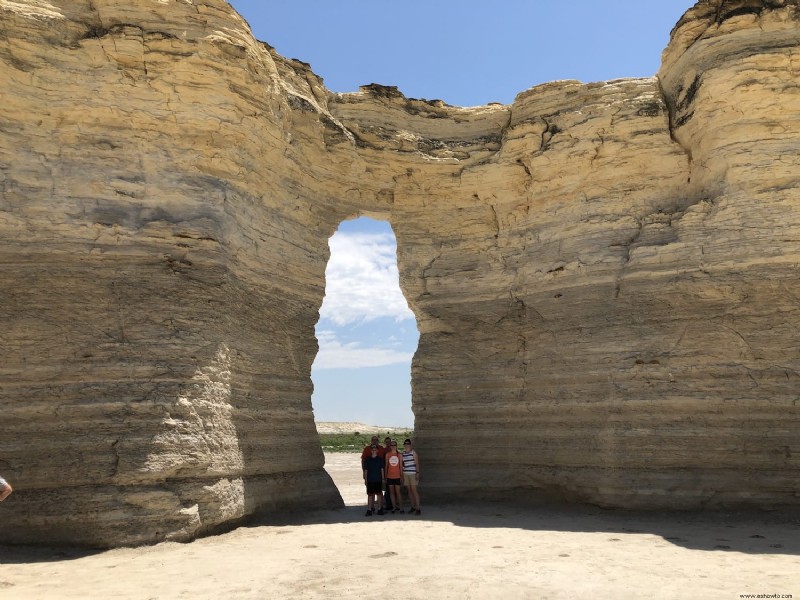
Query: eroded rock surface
(604, 275)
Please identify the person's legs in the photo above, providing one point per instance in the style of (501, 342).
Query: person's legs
(379, 498)
(414, 494)
(393, 497)
(388, 501)
(397, 497)
(410, 481)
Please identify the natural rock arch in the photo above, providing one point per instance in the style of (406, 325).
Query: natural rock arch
(604, 275)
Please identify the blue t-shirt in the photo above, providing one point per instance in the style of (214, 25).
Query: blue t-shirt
(374, 466)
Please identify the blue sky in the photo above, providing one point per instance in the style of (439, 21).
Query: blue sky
(466, 53)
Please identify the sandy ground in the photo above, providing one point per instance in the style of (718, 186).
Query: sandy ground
(453, 551)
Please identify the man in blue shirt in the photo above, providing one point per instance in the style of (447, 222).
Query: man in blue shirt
(374, 477)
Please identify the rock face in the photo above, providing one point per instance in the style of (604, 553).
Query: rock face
(604, 275)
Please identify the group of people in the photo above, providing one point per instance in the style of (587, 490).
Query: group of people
(385, 470)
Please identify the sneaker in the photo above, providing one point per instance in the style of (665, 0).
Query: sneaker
(381, 512)
(419, 512)
(369, 513)
(401, 511)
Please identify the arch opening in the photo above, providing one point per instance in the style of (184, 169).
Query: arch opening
(367, 337)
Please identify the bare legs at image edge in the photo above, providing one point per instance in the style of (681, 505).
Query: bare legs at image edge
(5, 489)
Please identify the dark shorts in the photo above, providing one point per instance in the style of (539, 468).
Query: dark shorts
(374, 487)
(397, 481)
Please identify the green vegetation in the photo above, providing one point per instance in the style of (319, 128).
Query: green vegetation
(355, 442)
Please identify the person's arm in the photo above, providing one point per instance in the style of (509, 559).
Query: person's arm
(416, 462)
(365, 475)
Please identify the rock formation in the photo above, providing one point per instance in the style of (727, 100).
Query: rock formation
(603, 274)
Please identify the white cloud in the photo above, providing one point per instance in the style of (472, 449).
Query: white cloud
(335, 355)
(362, 280)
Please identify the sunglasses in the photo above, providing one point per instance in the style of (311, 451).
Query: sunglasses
(395, 445)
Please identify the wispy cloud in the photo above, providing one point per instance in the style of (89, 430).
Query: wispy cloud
(335, 355)
(362, 280)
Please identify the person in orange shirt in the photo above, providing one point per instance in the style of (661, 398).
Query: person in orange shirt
(394, 476)
(387, 495)
(367, 452)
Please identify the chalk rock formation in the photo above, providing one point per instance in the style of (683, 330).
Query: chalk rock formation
(604, 275)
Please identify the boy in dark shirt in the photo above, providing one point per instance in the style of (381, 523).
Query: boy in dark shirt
(374, 478)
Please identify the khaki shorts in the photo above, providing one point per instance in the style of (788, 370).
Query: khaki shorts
(409, 479)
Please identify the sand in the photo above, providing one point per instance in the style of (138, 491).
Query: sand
(452, 551)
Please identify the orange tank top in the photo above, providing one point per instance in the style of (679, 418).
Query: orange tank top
(393, 466)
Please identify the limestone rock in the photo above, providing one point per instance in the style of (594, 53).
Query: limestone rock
(603, 274)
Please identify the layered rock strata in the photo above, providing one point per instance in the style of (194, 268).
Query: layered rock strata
(604, 275)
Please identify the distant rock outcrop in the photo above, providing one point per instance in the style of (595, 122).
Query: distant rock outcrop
(604, 275)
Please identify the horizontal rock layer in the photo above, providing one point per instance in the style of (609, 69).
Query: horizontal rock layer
(604, 275)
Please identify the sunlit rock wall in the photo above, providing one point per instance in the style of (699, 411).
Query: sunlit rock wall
(635, 343)
(604, 275)
(160, 275)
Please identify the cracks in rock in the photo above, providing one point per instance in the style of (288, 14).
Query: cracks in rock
(500, 139)
(683, 103)
(550, 130)
(506, 126)
(96, 33)
(793, 69)
(601, 136)
(495, 221)
(627, 246)
(527, 169)
(737, 11)
(614, 116)
(673, 126)
(719, 16)
(428, 267)
(658, 228)
(598, 147)
(119, 297)
(320, 98)
(100, 31)
(528, 172)
(520, 311)
(744, 341)
(115, 452)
